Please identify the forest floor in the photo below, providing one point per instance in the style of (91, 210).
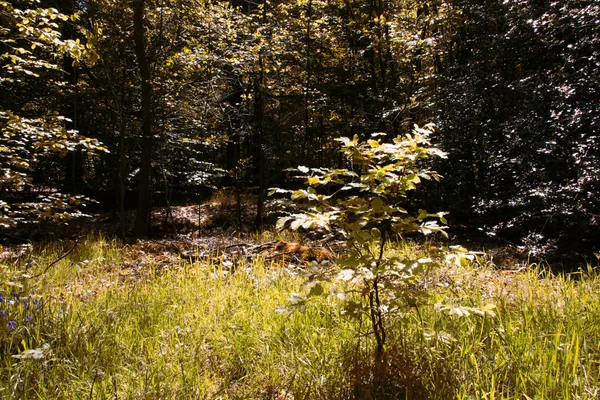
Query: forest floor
(205, 310)
(219, 226)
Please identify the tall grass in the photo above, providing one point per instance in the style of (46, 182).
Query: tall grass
(98, 326)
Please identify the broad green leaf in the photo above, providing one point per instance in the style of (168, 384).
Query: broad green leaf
(307, 224)
(373, 143)
(422, 215)
(414, 178)
(296, 224)
(442, 218)
(344, 140)
(273, 191)
(376, 204)
(313, 180)
(299, 194)
(316, 290)
(346, 274)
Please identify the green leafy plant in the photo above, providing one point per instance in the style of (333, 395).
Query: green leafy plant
(32, 50)
(367, 209)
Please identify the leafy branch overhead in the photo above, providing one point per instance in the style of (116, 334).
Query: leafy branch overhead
(33, 51)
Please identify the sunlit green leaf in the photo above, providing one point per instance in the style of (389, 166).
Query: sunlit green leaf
(376, 204)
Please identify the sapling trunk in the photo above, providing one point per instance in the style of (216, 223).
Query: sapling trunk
(375, 301)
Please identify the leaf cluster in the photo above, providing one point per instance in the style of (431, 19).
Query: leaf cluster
(366, 201)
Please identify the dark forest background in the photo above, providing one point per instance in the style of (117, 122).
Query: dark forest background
(146, 103)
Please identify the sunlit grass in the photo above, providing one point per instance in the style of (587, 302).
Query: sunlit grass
(116, 329)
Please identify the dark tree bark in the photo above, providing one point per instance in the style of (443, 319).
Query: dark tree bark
(122, 186)
(259, 158)
(142, 220)
(307, 136)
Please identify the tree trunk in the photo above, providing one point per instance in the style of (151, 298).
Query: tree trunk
(259, 120)
(259, 158)
(306, 139)
(73, 163)
(122, 182)
(142, 220)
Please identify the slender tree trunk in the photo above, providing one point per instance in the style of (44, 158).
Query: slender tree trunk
(259, 119)
(308, 83)
(73, 162)
(122, 180)
(142, 220)
(259, 159)
(375, 301)
(123, 126)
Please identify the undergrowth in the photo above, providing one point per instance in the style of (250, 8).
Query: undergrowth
(90, 328)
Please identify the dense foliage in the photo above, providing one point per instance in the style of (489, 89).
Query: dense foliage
(32, 128)
(188, 95)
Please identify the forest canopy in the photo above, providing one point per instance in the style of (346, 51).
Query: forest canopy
(136, 104)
